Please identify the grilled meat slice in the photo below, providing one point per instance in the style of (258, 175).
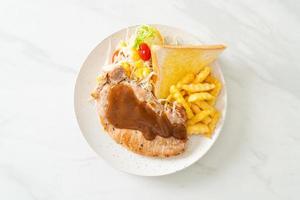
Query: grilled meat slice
(133, 139)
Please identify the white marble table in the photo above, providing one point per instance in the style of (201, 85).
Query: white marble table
(42, 152)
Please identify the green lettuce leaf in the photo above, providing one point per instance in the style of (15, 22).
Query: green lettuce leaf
(144, 33)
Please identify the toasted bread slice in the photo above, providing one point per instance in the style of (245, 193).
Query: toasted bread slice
(171, 63)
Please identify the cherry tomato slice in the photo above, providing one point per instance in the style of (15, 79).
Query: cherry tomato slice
(144, 51)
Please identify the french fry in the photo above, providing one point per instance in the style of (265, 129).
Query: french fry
(185, 80)
(210, 79)
(188, 103)
(198, 87)
(200, 96)
(206, 120)
(212, 102)
(179, 99)
(183, 93)
(197, 129)
(197, 94)
(198, 117)
(205, 106)
(216, 91)
(186, 100)
(202, 75)
(218, 86)
(195, 108)
(214, 121)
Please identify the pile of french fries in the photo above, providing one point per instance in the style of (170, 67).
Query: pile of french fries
(197, 94)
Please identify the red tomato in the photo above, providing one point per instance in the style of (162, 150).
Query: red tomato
(144, 51)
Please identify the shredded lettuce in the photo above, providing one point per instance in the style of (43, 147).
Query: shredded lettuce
(143, 33)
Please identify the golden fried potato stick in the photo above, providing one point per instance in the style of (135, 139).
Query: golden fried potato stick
(179, 99)
(206, 120)
(195, 108)
(183, 93)
(198, 87)
(185, 80)
(197, 129)
(186, 100)
(202, 75)
(218, 85)
(197, 94)
(212, 102)
(213, 123)
(205, 106)
(200, 96)
(199, 117)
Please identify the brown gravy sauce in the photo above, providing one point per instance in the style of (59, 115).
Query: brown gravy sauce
(125, 111)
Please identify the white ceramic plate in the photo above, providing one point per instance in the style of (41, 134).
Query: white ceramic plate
(103, 145)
